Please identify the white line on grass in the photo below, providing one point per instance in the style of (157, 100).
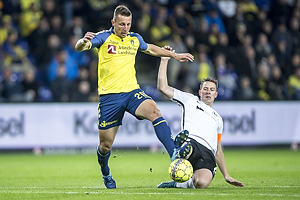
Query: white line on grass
(142, 193)
(285, 186)
(97, 187)
(123, 193)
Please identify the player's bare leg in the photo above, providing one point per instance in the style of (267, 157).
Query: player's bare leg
(106, 138)
(202, 178)
(148, 110)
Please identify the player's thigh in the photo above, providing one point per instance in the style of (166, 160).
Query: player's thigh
(202, 178)
(106, 138)
(148, 110)
(142, 106)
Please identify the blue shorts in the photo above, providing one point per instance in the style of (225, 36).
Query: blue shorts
(111, 107)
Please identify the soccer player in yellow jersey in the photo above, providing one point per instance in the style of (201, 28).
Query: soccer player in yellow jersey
(205, 127)
(118, 88)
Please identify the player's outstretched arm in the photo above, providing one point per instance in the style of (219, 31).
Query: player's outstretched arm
(83, 43)
(234, 182)
(220, 159)
(161, 52)
(162, 79)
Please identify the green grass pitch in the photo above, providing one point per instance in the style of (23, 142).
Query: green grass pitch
(266, 173)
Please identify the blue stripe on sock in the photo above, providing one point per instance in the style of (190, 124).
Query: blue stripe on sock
(164, 135)
(103, 161)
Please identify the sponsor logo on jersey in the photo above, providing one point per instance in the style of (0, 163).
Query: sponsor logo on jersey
(114, 42)
(112, 49)
(200, 108)
(128, 50)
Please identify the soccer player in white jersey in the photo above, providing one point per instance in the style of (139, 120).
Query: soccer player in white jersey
(205, 128)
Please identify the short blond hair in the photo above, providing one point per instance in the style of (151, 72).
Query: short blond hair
(121, 10)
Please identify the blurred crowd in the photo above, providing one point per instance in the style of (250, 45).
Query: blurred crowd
(251, 46)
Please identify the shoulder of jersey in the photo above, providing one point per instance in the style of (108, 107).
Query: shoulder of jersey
(132, 34)
(104, 31)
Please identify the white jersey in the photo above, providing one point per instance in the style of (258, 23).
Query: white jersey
(203, 123)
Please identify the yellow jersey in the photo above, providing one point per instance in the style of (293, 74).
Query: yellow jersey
(116, 71)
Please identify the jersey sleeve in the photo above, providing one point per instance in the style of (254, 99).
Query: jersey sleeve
(180, 96)
(220, 125)
(143, 45)
(99, 39)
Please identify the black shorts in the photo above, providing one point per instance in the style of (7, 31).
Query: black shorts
(202, 157)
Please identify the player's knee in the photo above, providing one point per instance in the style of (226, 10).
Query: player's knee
(201, 184)
(104, 147)
(153, 114)
(156, 113)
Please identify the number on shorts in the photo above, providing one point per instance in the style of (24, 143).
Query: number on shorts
(141, 95)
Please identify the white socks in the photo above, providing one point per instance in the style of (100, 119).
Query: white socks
(187, 184)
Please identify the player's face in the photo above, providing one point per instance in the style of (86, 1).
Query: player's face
(208, 93)
(122, 25)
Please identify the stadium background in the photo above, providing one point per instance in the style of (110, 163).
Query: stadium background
(251, 47)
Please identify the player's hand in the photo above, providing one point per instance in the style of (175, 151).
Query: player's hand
(184, 57)
(234, 182)
(88, 36)
(82, 44)
(168, 48)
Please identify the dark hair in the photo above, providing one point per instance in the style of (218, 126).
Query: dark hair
(215, 81)
(121, 10)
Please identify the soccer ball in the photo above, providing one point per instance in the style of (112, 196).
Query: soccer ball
(181, 170)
